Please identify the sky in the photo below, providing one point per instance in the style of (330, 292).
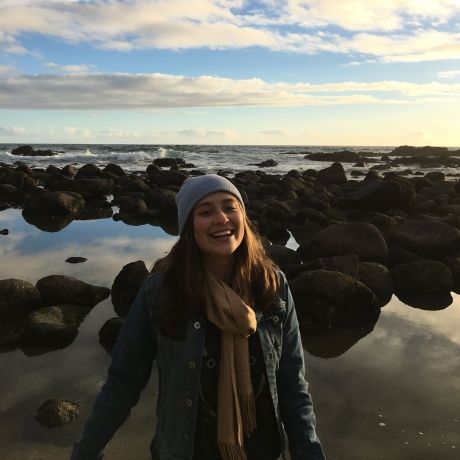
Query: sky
(282, 72)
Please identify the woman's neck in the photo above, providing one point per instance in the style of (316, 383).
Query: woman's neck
(221, 268)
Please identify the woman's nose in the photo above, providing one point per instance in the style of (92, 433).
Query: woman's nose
(221, 216)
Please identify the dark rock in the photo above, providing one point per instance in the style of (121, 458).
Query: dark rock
(54, 203)
(335, 341)
(311, 215)
(163, 200)
(381, 195)
(88, 171)
(344, 156)
(114, 169)
(69, 170)
(108, 333)
(4, 231)
(76, 260)
(10, 194)
(435, 176)
(49, 223)
(54, 413)
(335, 174)
(407, 150)
(360, 238)
(400, 256)
(434, 240)
(126, 286)
(423, 284)
(265, 164)
(326, 298)
(454, 266)
(378, 279)
(27, 150)
(88, 188)
(55, 326)
(283, 256)
(168, 162)
(17, 298)
(60, 289)
(20, 180)
(137, 184)
(176, 178)
(131, 205)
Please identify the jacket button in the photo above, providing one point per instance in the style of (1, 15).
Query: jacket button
(197, 325)
(188, 402)
(186, 437)
(192, 365)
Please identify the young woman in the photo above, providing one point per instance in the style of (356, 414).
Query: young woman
(219, 319)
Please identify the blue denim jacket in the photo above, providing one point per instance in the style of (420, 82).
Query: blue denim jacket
(179, 366)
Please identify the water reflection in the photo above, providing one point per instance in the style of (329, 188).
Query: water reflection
(389, 390)
(337, 340)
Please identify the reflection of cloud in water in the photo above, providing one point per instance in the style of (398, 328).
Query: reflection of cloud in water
(33, 254)
(445, 322)
(403, 374)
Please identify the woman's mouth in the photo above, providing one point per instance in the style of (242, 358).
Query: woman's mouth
(222, 233)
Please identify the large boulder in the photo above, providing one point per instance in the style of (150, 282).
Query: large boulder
(163, 200)
(54, 413)
(17, 298)
(335, 174)
(60, 289)
(345, 156)
(54, 203)
(393, 192)
(360, 238)
(378, 279)
(53, 326)
(88, 188)
(436, 240)
(168, 162)
(126, 286)
(424, 284)
(27, 150)
(20, 180)
(283, 256)
(409, 150)
(327, 298)
(109, 331)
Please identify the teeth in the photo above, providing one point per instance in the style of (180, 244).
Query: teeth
(223, 233)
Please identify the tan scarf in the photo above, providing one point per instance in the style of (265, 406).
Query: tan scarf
(236, 407)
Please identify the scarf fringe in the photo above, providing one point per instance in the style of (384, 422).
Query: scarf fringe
(232, 451)
(248, 414)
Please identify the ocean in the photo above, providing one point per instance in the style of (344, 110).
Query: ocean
(208, 158)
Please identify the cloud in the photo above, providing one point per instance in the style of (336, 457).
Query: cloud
(11, 130)
(70, 69)
(5, 69)
(273, 133)
(163, 91)
(375, 29)
(358, 15)
(449, 74)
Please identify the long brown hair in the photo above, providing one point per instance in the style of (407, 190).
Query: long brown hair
(181, 290)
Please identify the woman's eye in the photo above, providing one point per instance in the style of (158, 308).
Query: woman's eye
(230, 208)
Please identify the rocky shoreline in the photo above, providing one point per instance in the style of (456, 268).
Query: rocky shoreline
(360, 241)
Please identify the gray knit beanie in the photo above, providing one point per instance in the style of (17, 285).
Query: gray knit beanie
(194, 189)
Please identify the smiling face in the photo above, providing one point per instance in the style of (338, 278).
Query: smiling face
(218, 227)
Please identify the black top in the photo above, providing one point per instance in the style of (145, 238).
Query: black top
(264, 443)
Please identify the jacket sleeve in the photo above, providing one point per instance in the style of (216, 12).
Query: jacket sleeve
(295, 402)
(129, 372)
